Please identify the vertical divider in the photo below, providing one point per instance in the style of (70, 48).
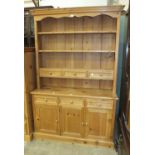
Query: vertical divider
(100, 81)
(116, 56)
(113, 117)
(59, 115)
(85, 118)
(36, 52)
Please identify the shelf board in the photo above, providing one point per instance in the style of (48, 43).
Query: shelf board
(72, 92)
(77, 32)
(89, 74)
(76, 51)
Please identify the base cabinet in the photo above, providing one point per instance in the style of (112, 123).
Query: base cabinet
(73, 117)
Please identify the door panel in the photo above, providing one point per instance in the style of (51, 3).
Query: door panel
(47, 118)
(98, 123)
(71, 121)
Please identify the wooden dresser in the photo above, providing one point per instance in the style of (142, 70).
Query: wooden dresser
(76, 66)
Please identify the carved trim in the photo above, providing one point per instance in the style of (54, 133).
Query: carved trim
(57, 16)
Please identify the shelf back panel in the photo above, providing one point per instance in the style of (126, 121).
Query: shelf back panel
(78, 42)
(77, 60)
(72, 83)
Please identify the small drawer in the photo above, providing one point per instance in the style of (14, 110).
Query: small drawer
(75, 74)
(99, 103)
(54, 73)
(45, 99)
(98, 75)
(80, 75)
(49, 73)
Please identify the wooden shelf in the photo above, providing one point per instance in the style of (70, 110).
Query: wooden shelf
(77, 32)
(77, 74)
(81, 92)
(76, 51)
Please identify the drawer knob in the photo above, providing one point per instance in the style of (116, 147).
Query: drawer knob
(58, 100)
(62, 73)
(75, 74)
(87, 74)
(50, 73)
(71, 15)
(71, 102)
(92, 74)
(45, 99)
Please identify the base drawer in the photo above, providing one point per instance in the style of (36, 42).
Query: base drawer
(71, 101)
(99, 103)
(45, 99)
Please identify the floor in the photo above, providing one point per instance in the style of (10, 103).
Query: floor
(46, 147)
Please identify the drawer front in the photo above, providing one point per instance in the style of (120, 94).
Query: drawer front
(71, 101)
(99, 103)
(54, 73)
(75, 74)
(45, 99)
(100, 75)
(48, 73)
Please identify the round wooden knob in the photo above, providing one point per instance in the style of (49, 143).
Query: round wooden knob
(50, 73)
(45, 99)
(63, 73)
(71, 15)
(92, 74)
(87, 74)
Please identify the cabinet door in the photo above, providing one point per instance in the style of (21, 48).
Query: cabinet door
(98, 123)
(47, 118)
(71, 116)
